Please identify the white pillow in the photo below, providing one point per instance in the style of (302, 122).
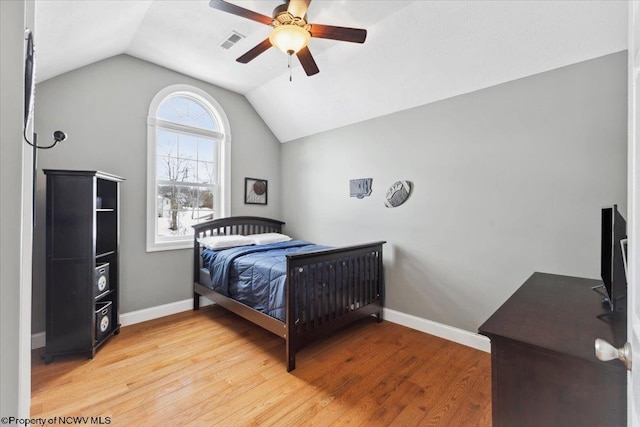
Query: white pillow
(224, 241)
(266, 238)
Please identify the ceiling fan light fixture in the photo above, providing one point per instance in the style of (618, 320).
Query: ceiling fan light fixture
(289, 38)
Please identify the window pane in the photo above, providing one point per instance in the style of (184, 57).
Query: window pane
(167, 143)
(206, 173)
(189, 171)
(192, 112)
(207, 122)
(168, 112)
(175, 169)
(181, 218)
(162, 168)
(204, 215)
(205, 200)
(187, 111)
(206, 150)
(188, 147)
(177, 210)
(171, 196)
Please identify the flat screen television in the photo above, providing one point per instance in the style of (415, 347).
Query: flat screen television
(612, 269)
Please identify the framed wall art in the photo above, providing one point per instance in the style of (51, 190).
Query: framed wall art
(255, 191)
(360, 188)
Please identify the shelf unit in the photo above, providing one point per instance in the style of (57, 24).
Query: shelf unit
(82, 256)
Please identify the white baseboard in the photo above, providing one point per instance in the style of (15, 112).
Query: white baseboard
(39, 338)
(156, 312)
(450, 333)
(441, 330)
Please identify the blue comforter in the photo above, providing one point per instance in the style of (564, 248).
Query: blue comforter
(255, 275)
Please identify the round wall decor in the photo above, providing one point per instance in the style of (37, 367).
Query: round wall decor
(397, 194)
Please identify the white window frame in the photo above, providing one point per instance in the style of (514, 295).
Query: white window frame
(222, 197)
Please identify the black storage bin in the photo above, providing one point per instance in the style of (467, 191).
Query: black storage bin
(103, 319)
(102, 279)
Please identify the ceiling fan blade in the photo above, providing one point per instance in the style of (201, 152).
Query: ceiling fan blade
(298, 8)
(240, 11)
(307, 61)
(252, 53)
(355, 35)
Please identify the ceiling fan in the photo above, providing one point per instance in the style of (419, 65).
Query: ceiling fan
(291, 32)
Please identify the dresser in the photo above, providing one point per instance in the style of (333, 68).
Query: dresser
(543, 365)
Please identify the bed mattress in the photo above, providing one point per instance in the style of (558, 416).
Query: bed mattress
(254, 275)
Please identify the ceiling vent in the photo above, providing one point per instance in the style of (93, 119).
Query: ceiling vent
(231, 40)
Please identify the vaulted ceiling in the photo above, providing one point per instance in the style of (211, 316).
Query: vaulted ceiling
(416, 52)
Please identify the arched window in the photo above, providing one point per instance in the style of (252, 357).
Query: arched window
(187, 166)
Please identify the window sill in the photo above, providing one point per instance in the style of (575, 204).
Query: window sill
(169, 246)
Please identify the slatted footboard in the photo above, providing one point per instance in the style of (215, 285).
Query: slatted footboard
(329, 289)
(325, 290)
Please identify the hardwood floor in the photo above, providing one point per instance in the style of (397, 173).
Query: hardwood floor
(211, 367)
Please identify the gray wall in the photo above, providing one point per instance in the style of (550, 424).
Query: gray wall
(103, 108)
(15, 215)
(507, 181)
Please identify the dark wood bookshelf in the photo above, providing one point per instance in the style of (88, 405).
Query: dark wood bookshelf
(82, 261)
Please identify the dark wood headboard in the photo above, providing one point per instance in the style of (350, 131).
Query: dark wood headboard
(243, 225)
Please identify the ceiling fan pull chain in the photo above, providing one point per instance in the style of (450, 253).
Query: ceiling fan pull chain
(289, 66)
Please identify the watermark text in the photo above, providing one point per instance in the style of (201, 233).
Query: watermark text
(57, 421)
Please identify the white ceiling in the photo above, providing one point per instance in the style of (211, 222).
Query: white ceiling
(416, 52)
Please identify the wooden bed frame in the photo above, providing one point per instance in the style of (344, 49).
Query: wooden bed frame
(335, 287)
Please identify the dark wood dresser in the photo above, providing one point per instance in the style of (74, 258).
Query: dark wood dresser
(544, 369)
